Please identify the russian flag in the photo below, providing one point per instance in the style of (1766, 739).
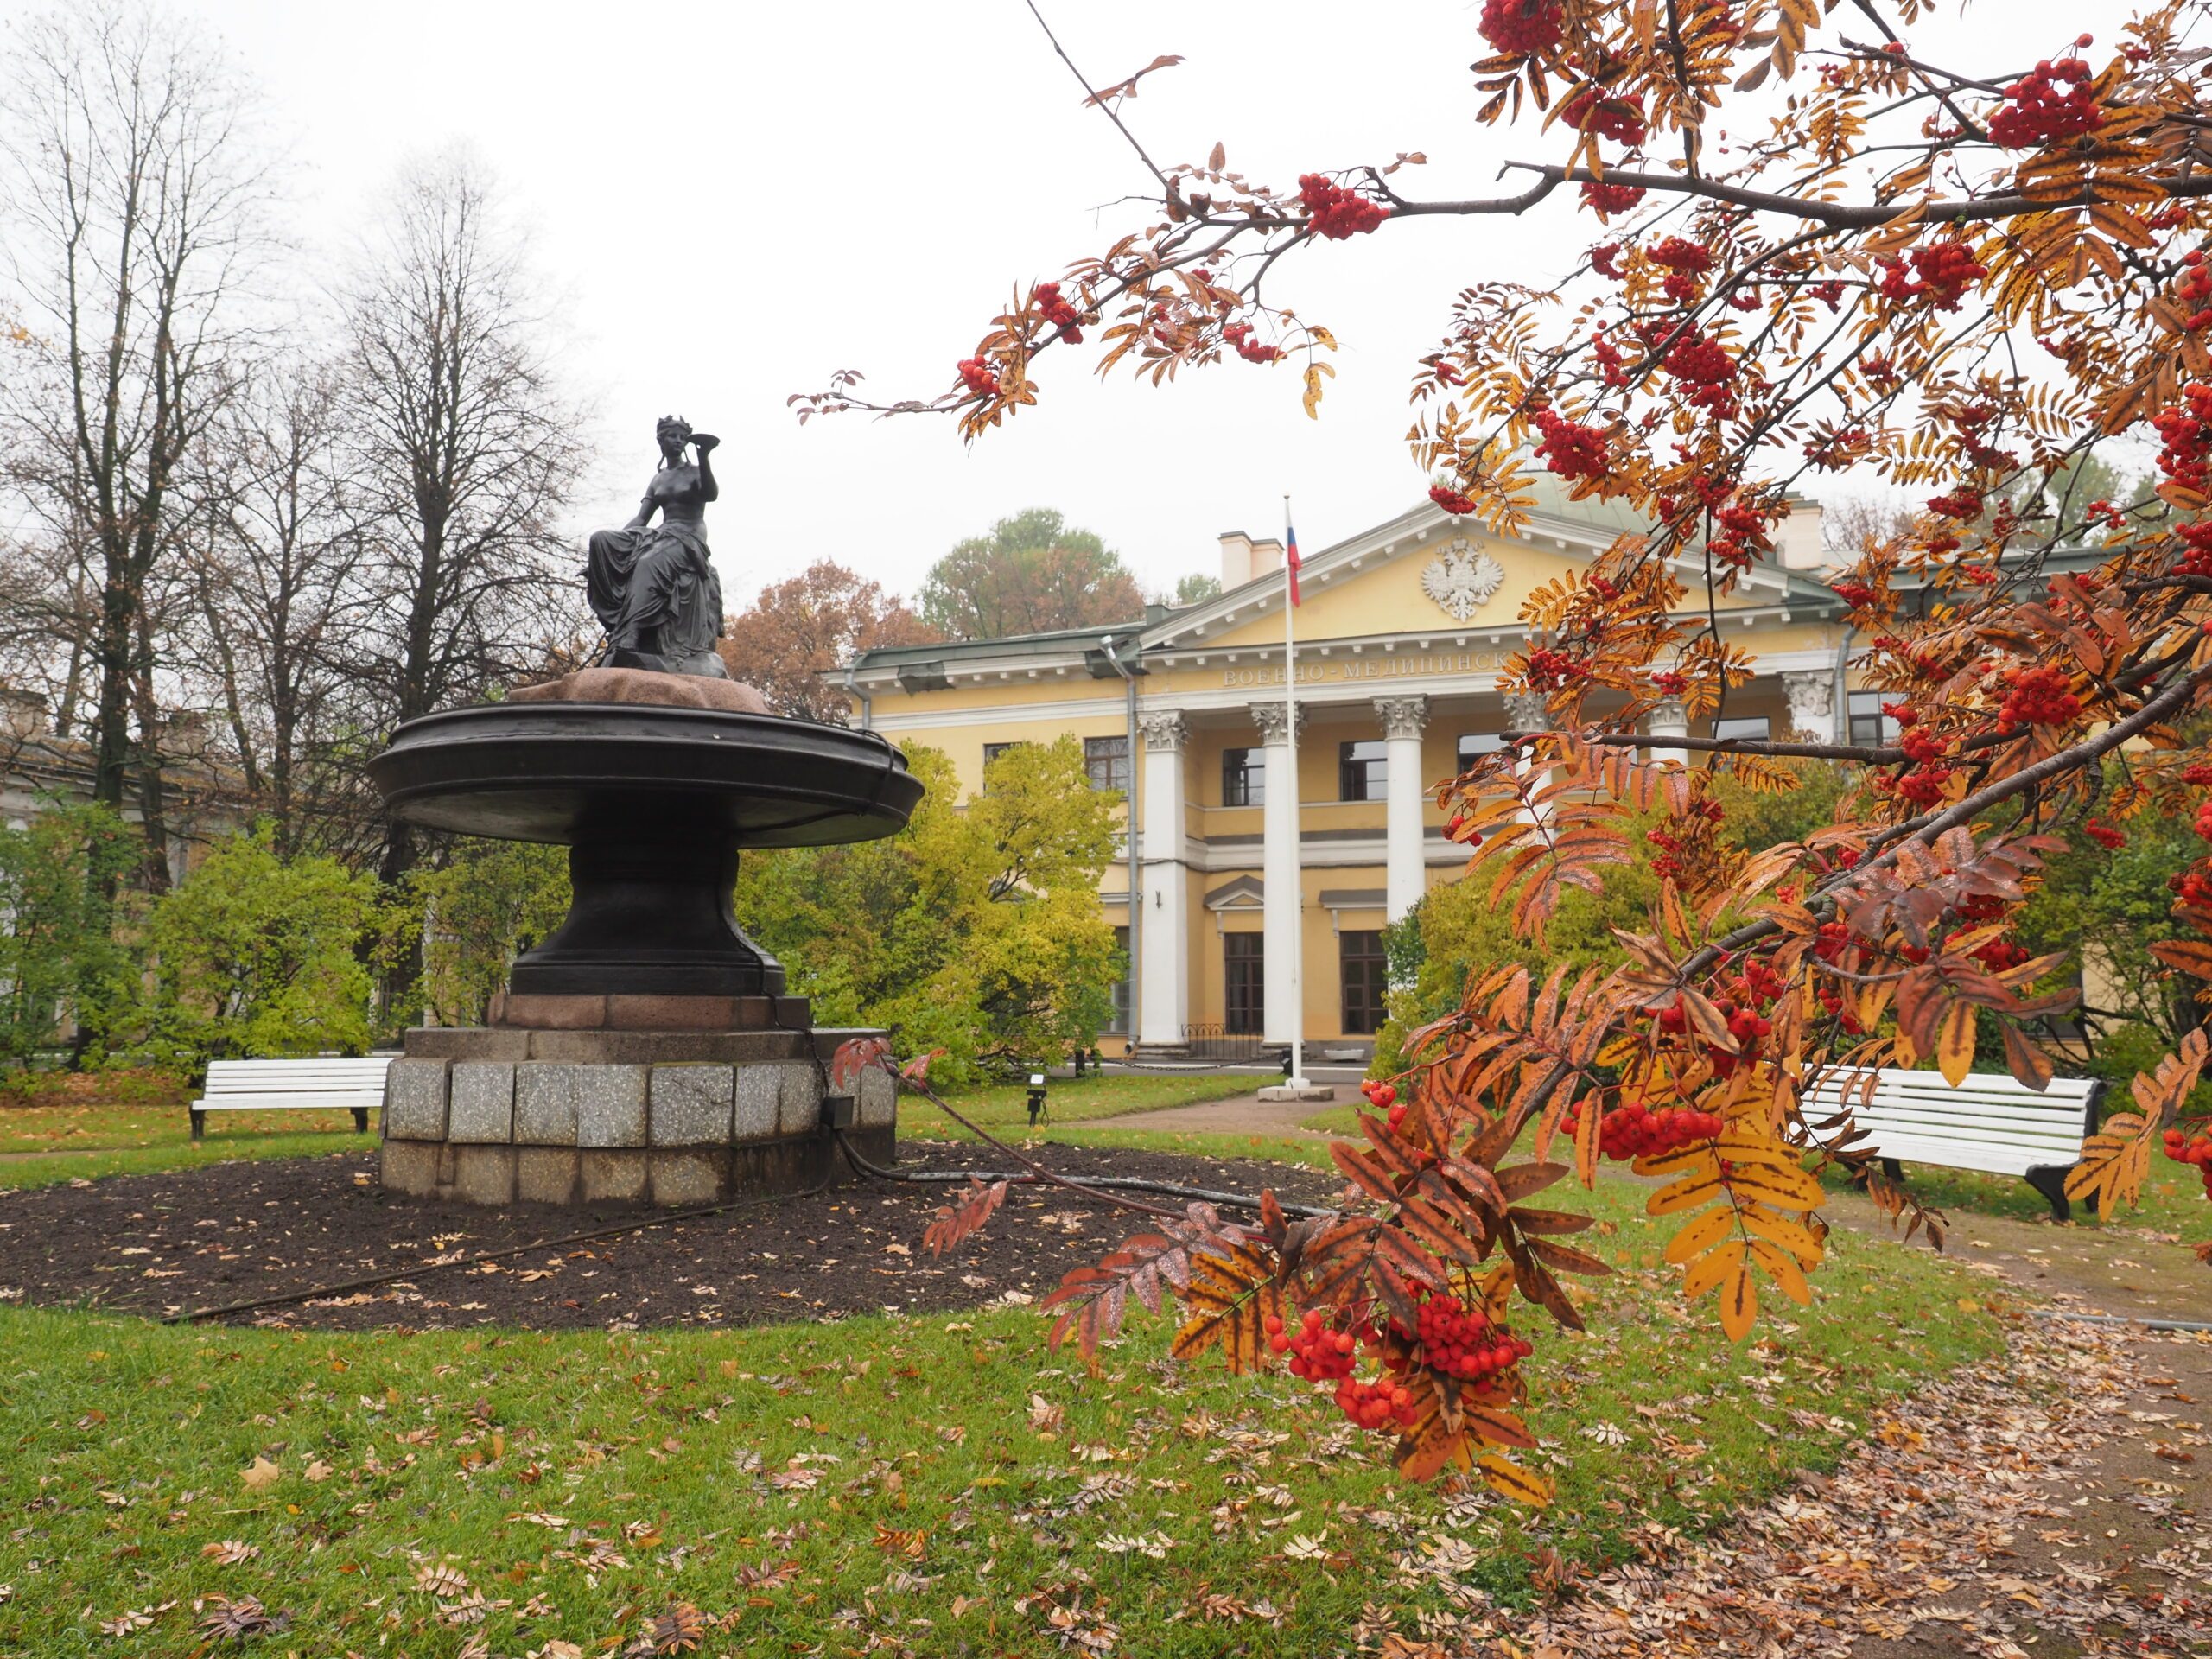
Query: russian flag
(1290, 556)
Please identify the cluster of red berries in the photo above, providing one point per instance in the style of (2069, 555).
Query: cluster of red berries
(2041, 695)
(2197, 1150)
(1549, 670)
(1921, 745)
(1939, 271)
(1857, 595)
(1592, 110)
(1603, 258)
(1460, 1341)
(1924, 786)
(2186, 431)
(1240, 335)
(1703, 364)
(1633, 1130)
(1670, 682)
(1372, 1405)
(1059, 313)
(1748, 1028)
(1383, 1097)
(1319, 1352)
(1450, 499)
(1527, 26)
(1569, 449)
(1612, 198)
(2051, 102)
(2195, 289)
(2104, 835)
(1729, 553)
(979, 376)
(2196, 538)
(1684, 262)
(1962, 503)
(1335, 212)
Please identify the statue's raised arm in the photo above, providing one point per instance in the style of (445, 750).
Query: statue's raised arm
(653, 588)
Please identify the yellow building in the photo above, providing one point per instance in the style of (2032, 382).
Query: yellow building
(1402, 637)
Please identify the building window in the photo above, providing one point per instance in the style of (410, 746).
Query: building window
(1474, 745)
(992, 751)
(1361, 770)
(1869, 725)
(1365, 971)
(1122, 1022)
(1106, 761)
(1244, 982)
(1753, 727)
(1244, 776)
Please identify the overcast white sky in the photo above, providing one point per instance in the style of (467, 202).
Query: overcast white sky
(734, 199)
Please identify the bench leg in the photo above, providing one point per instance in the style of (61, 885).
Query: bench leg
(1893, 1169)
(360, 1119)
(199, 1122)
(2051, 1183)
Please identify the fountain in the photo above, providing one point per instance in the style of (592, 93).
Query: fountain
(646, 1051)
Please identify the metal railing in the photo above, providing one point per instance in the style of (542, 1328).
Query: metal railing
(1222, 1046)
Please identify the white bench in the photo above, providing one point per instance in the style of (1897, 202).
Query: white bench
(352, 1085)
(1991, 1124)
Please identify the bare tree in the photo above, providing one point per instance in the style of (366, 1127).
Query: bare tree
(464, 451)
(274, 558)
(132, 203)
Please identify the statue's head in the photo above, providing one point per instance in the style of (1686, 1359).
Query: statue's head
(674, 432)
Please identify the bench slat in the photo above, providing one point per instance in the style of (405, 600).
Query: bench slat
(282, 1103)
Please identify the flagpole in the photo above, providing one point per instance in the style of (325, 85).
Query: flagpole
(1297, 1077)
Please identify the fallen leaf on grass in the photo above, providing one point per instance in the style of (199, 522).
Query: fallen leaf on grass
(230, 1551)
(260, 1474)
(441, 1581)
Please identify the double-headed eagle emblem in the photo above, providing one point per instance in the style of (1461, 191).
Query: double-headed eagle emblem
(1461, 579)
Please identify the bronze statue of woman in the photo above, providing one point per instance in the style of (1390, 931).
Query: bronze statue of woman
(653, 586)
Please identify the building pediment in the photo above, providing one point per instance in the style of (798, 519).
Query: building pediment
(1425, 571)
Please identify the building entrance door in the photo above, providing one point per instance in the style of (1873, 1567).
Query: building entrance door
(1244, 978)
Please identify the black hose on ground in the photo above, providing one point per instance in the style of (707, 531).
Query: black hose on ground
(1119, 1183)
(192, 1316)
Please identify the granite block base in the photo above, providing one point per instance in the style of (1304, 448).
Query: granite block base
(679, 1118)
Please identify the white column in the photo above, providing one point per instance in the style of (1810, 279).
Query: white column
(1284, 914)
(1164, 985)
(1406, 876)
(1525, 711)
(1812, 704)
(1668, 719)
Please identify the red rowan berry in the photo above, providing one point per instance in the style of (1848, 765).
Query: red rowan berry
(2038, 111)
(1610, 198)
(1335, 212)
(1522, 27)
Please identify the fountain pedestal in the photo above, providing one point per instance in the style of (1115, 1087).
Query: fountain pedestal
(646, 1051)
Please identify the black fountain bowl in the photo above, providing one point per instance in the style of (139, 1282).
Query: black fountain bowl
(565, 772)
(654, 805)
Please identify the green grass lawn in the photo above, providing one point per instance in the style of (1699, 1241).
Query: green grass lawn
(40, 1145)
(929, 1485)
(83, 1141)
(1003, 1108)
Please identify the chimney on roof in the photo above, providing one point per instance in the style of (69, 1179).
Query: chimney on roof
(1797, 538)
(1244, 560)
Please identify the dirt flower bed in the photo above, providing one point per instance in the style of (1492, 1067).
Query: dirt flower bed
(233, 1232)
